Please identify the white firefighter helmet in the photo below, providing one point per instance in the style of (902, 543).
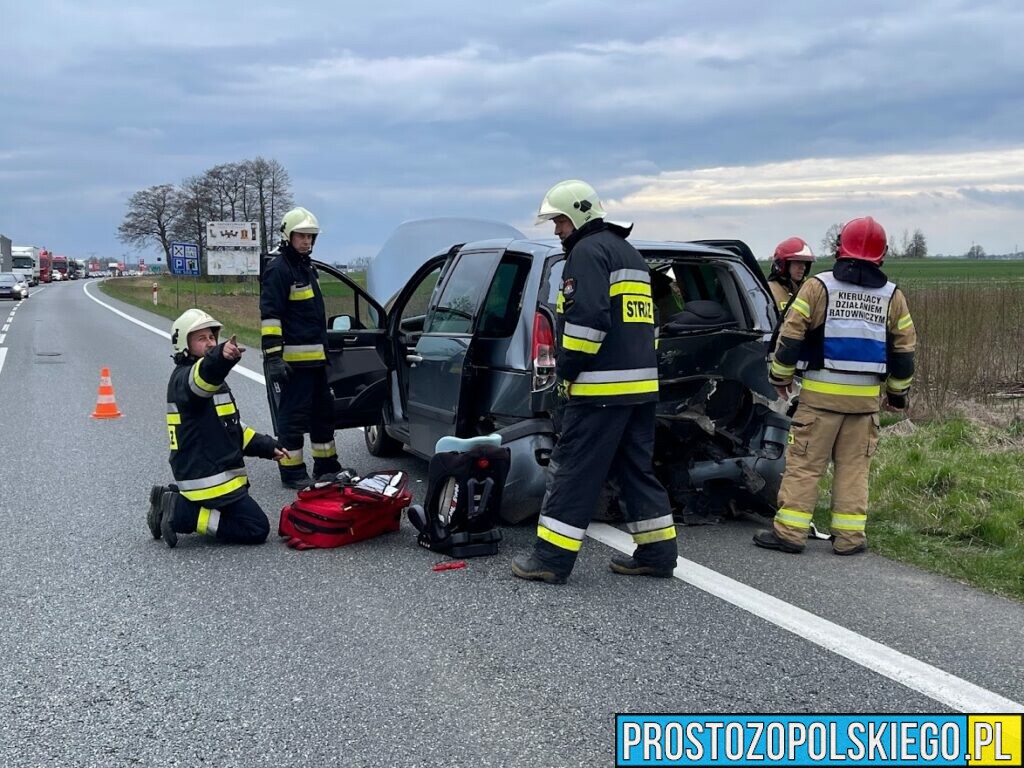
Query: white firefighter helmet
(190, 320)
(298, 220)
(573, 198)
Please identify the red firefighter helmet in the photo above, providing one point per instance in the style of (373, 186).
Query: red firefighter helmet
(792, 249)
(862, 239)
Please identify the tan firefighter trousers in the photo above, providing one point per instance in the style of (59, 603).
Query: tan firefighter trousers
(816, 436)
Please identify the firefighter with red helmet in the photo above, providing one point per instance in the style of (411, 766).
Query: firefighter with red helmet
(851, 336)
(791, 265)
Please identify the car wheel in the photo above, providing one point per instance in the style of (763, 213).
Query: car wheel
(379, 442)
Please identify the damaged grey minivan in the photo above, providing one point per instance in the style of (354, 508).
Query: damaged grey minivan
(454, 335)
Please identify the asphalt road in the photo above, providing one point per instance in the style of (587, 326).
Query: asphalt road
(116, 651)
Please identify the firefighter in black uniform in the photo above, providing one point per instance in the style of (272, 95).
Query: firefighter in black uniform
(294, 336)
(211, 491)
(608, 370)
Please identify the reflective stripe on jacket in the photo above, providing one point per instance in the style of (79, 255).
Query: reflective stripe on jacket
(207, 438)
(293, 320)
(855, 326)
(851, 389)
(606, 329)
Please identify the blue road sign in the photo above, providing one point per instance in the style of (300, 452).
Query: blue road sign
(185, 259)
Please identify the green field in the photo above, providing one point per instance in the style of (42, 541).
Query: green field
(938, 271)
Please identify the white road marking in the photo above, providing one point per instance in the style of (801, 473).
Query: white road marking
(6, 326)
(933, 682)
(3, 356)
(241, 369)
(2, 337)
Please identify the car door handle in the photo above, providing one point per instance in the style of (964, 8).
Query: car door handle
(350, 339)
(414, 358)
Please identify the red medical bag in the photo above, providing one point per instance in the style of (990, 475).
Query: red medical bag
(337, 513)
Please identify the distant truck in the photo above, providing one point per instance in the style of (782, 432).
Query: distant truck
(45, 266)
(59, 266)
(76, 269)
(25, 261)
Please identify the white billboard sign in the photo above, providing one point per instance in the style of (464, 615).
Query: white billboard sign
(234, 261)
(232, 234)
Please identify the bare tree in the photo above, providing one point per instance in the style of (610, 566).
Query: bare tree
(279, 199)
(918, 248)
(830, 242)
(195, 200)
(270, 188)
(151, 217)
(250, 190)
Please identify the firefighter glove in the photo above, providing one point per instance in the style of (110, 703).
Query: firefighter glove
(278, 369)
(562, 388)
(897, 401)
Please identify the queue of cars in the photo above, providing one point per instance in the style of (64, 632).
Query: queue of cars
(454, 335)
(14, 286)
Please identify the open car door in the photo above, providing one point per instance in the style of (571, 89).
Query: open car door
(357, 352)
(441, 365)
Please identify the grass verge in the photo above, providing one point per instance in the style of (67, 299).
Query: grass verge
(949, 497)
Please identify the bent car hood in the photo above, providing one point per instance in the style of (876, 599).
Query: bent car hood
(415, 242)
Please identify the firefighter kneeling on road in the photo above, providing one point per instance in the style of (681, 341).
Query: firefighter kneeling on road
(211, 491)
(851, 328)
(607, 367)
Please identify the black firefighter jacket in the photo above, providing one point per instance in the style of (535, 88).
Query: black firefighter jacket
(606, 319)
(292, 314)
(206, 434)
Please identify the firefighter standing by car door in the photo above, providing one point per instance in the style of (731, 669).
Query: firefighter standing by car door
(608, 369)
(294, 340)
(852, 329)
(791, 266)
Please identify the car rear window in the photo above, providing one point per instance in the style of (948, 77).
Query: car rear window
(504, 301)
(8, 279)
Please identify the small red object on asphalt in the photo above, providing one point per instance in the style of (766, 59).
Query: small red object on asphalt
(450, 565)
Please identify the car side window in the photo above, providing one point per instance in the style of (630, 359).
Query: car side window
(504, 299)
(462, 293)
(414, 312)
(340, 299)
(698, 282)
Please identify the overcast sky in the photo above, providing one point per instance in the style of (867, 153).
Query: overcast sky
(695, 120)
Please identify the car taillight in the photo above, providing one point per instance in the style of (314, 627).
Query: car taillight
(543, 353)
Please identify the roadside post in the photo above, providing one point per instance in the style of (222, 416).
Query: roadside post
(155, 302)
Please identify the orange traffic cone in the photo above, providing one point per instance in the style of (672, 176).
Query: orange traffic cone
(106, 407)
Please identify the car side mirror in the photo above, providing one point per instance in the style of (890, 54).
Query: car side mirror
(342, 323)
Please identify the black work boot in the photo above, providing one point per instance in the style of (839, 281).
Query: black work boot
(153, 515)
(297, 482)
(629, 566)
(530, 568)
(167, 503)
(770, 540)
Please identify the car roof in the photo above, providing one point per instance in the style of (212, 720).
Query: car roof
(536, 245)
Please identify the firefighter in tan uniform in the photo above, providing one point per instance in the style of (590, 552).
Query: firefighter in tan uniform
(791, 266)
(851, 334)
